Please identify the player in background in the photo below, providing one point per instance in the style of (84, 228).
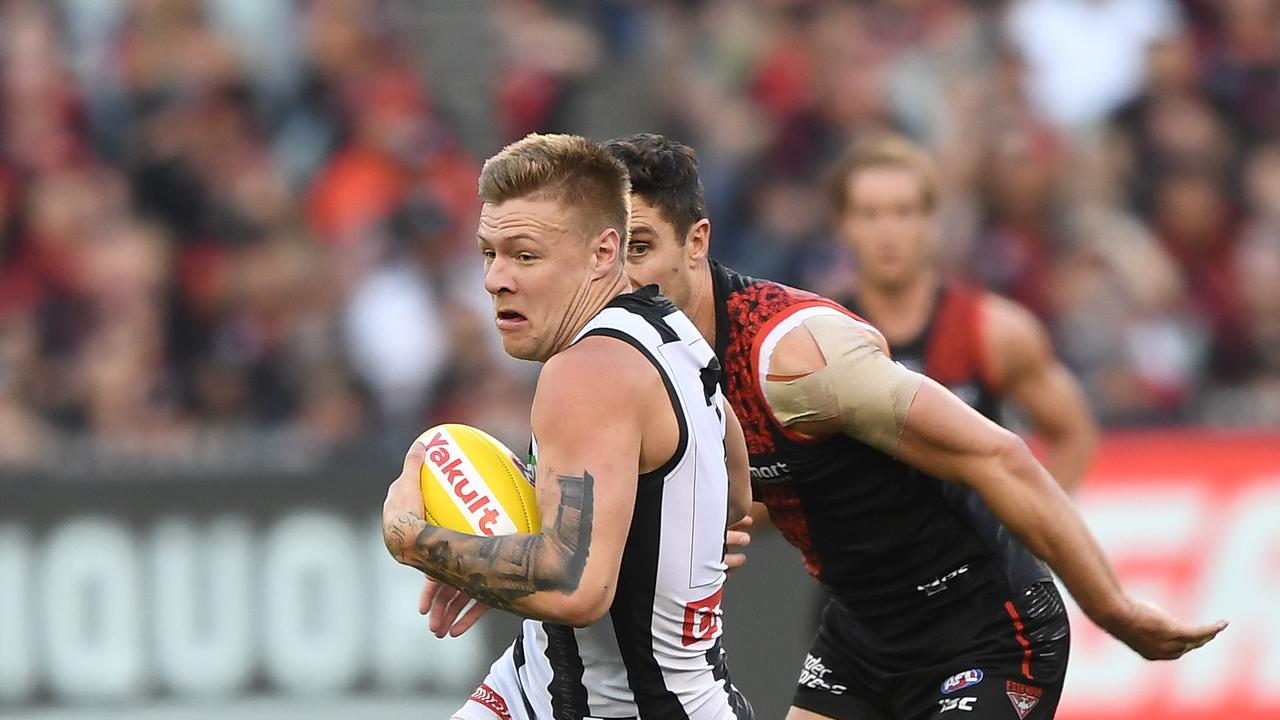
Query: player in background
(982, 347)
(630, 451)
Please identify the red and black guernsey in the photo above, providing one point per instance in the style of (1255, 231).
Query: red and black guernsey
(952, 350)
(909, 555)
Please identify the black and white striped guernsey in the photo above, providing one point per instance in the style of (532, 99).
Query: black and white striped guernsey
(657, 654)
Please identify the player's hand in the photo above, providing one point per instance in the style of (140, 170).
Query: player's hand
(1156, 635)
(442, 603)
(405, 493)
(738, 536)
(402, 511)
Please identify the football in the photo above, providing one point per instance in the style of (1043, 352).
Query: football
(474, 484)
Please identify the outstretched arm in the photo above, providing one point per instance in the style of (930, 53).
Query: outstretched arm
(848, 385)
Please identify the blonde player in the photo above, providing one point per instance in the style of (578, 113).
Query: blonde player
(621, 588)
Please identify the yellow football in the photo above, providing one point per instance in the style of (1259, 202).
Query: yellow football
(474, 484)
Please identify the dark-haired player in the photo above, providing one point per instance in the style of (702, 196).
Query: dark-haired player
(930, 525)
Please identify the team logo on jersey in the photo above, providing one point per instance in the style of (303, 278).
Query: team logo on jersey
(960, 681)
(485, 695)
(702, 619)
(1024, 697)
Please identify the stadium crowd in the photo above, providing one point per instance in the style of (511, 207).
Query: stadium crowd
(243, 214)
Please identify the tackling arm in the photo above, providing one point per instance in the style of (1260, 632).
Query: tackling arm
(853, 388)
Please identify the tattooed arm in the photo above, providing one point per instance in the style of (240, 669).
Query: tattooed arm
(596, 431)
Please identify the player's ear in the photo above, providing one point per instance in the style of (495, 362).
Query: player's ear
(606, 250)
(697, 242)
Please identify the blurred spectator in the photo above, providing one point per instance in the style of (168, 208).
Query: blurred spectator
(1243, 66)
(1197, 226)
(1022, 235)
(1120, 317)
(1173, 121)
(1086, 56)
(220, 215)
(544, 56)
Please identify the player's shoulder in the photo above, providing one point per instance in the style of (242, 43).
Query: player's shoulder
(1006, 320)
(1013, 335)
(600, 368)
(798, 350)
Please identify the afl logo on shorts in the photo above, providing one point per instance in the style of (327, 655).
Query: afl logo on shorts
(960, 681)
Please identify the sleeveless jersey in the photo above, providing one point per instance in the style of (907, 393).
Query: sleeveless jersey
(901, 550)
(657, 654)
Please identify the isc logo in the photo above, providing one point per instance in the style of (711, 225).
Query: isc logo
(473, 495)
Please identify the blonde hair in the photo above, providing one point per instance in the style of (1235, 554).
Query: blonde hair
(576, 172)
(887, 150)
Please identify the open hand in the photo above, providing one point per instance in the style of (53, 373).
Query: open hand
(1156, 635)
(443, 603)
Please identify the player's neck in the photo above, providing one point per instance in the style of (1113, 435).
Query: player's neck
(899, 311)
(702, 305)
(593, 298)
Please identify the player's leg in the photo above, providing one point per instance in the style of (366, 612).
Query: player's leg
(868, 712)
(833, 683)
(498, 697)
(484, 704)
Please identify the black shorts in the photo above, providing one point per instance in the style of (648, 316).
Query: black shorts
(1012, 670)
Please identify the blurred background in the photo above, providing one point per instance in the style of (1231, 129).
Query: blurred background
(237, 277)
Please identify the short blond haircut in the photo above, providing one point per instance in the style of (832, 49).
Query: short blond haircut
(574, 171)
(878, 151)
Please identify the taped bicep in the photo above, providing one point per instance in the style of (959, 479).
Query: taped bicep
(858, 389)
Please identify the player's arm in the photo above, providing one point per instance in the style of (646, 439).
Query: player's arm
(588, 464)
(735, 445)
(842, 381)
(737, 535)
(1024, 365)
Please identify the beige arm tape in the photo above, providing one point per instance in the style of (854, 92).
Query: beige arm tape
(869, 393)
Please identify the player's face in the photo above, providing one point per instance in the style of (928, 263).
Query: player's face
(538, 266)
(887, 224)
(656, 255)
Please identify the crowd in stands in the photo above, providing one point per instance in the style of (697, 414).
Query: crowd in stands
(236, 214)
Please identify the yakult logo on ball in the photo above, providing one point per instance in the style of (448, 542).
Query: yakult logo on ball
(469, 491)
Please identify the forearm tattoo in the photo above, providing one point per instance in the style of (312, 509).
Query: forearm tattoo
(499, 571)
